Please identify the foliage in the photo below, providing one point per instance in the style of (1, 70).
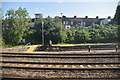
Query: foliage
(53, 30)
(118, 33)
(2, 42)
(81, 36)
(70, 36)
(16, 26)
(116, 19)
(96, 34)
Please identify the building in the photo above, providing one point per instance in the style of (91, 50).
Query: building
(37, 17)
(70, 22)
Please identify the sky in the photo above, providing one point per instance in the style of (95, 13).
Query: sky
(69, 9)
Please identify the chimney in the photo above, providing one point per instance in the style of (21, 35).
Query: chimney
(64, 16)
(74, 16)
(109, 17)
(97, 17)
(86, 16)
(38, 16)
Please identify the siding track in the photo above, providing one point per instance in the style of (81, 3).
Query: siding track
(52, 66)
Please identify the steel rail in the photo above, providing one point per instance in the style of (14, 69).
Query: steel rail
(62, 56)
(38, 68)
(12, 78)
(55, 63)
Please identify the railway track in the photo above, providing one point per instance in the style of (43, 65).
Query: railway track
(61, 66)
(112, 55)
(56, 63)
(62, 55)
(77, 48)
(66, 53)
(59, 60)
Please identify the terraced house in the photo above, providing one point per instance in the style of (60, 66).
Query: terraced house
(72, 22)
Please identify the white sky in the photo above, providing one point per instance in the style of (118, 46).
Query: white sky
(60, 1)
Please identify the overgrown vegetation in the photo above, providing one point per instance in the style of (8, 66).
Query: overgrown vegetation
(96, 34)
(16, 27)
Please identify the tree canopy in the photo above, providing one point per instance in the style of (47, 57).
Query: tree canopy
(16, 26)
(53, 30)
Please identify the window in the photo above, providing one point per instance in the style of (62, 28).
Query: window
(93, 23)
(63, 22)
(84, 23)
(66, 22)
(71, 22)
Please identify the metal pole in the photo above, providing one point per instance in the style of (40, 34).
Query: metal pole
(61, 24)
(89, 47)
(116, 48)
(42, 33)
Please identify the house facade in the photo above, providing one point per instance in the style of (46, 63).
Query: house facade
(71, 22)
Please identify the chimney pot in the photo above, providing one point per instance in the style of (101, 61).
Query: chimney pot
(97, 17)
(109, 17)
(74, 16)
(64, 16)
(86, 16)
(38, 15)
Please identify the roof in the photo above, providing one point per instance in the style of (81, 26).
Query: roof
(81, 19)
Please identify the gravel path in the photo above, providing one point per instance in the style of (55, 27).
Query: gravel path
(18, 69)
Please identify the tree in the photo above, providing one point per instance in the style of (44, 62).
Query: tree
(117, 15)
(118, 32)
(70, 36)
(61, 30)
(100, 33)
(82, 36)
(16, 26)
(116, 20)
(1, 19)
(53, 30)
